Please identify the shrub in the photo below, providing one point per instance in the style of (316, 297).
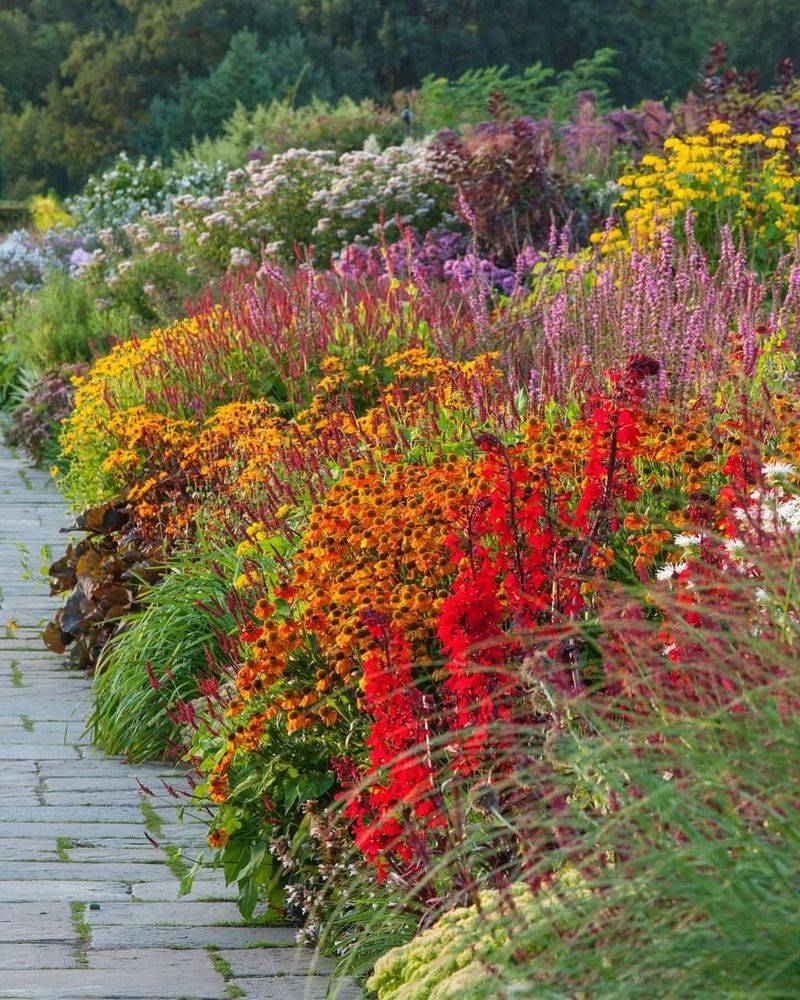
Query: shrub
(502, 186)
(13, 214)
(275, 128)
(129, 187)
(292, 202)
(46, 213)
(536, 92)
(727, 95)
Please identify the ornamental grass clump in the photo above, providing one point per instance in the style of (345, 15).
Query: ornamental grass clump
(178, 628)
(686, 885)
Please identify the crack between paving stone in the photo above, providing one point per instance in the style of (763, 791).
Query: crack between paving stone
(41, 783)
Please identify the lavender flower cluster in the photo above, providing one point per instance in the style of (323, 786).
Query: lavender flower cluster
(26, 257)
(439, 255)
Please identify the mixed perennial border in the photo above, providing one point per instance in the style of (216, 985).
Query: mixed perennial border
(463, 571)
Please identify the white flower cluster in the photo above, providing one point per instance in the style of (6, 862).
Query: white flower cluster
(131, 188)
(774, 510)
(299, 198)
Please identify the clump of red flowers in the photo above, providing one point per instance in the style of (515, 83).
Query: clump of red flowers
(402, 799)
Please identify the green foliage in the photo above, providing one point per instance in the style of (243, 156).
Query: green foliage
(537, 92)
(29, 159)
(80, 81)
(342, 126)
(13, 214)
(247, 76)
(63, 323)
(154, 289)
(171, 630)
(702, 900)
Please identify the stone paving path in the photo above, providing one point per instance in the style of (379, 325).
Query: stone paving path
(88, 908)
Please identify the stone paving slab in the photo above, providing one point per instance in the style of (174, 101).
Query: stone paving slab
(109, 984)
(32, 737)
(36, 922)
(33, 931)
(130, 834)
(153, 914)
(124, 794)
(88, 908)
(63, 716)
(202, 888)
(295, 988)
(20, 797)
(276, 962)
(123, 782)
(85, 890)
(169, 936)
(120, 852)
(27, 850)
(111, 813)
(22, 751)
(37, 956)
(113, 871)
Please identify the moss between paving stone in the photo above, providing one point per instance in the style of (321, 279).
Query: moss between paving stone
(267, 944)
(83, 933)
(224, 968)
(63, 846)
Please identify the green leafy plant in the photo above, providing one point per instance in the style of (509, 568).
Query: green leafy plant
(537, 92)
(174, 630)
(63, 323)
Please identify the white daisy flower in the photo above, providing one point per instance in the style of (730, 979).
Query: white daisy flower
(789, 514)
(778, 469)
(734, 545)
(684, 541)
(669, 570)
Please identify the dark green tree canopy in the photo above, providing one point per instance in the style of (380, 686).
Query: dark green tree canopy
(82, 79)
